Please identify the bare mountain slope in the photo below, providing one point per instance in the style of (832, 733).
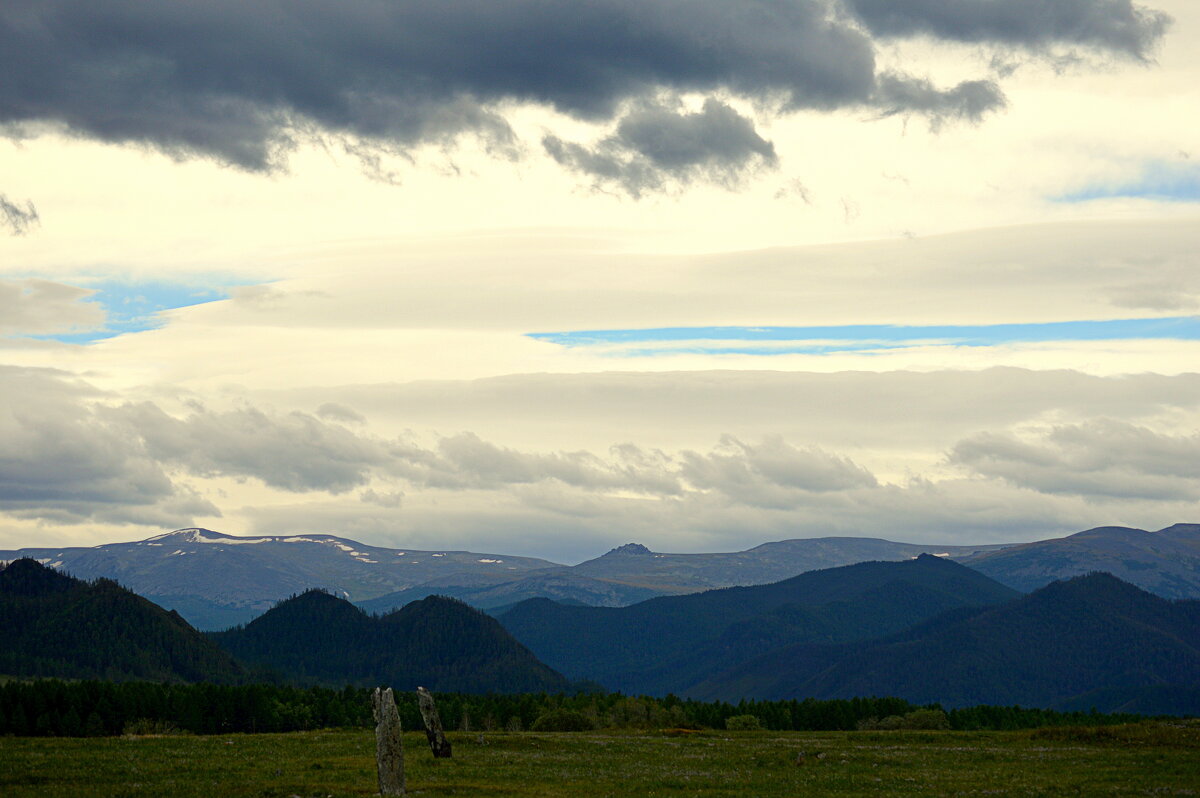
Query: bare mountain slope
(1166, 562)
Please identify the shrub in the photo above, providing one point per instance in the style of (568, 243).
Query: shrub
(925, 719)
(144, 726)
(742, 723)
(562, 720)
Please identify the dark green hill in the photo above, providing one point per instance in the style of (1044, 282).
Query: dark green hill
(54, 625)
(1091, 638)
(438, 643)
(667, 644)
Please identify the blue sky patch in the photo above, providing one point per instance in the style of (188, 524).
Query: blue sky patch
(862, 338)
(135, 306)
(1160, 180)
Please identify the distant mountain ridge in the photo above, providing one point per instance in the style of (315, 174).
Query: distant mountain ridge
(218, 580)
(1166, 562)
(667, 644)
(632, 572)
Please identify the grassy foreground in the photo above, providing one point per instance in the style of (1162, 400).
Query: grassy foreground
(1146, 758)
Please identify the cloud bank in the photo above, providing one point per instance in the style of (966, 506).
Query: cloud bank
(77, 455)
(244, 83)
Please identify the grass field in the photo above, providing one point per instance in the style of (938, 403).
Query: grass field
(1151, 758)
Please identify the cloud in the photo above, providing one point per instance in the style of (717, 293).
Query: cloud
(909, 411)
(16, 218)
(68, 452)
(64, 462)
(294, 452)
(1116, 26)
(655, 144)
(1100, 459)
(969, 101)
(246, 83)
(332, 411)
(773, 473)
(43, 307)
(70, 455)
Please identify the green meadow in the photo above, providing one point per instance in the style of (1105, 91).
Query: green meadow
(1160, 758)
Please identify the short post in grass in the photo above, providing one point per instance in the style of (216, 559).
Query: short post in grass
(389, 748)
(433, 725)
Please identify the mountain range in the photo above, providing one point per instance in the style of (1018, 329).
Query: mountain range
(54, 625)
(925, 630)
(668, 644)
(217, 580)
(1091, 641)
(1166, 562)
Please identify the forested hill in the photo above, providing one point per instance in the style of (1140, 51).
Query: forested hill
(667, 644)
(439, 643)
(1090, 641)
(52, 624)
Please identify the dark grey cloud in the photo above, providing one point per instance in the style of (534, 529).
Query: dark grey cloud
(1114, 26)
(1102, 458)
(968, 101)
(18, 218)
(244, 83)
(654, 144)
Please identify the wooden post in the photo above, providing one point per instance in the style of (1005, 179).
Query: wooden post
(389, 748)
(433, 725)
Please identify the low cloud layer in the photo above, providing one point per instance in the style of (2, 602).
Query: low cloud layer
(76, 455)
(42, 307)
(1100, 459)
(245, 83)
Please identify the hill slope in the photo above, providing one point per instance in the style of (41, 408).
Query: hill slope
(54, 625)
(667, 644)
(1166, 562)
(438, 643)
(1090, 635)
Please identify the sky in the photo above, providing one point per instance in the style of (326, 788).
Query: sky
(543, 278)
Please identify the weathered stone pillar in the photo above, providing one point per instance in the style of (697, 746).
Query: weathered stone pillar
(433, 725)
(389, 748)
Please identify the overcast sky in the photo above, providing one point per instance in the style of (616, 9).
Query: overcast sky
(544, 278)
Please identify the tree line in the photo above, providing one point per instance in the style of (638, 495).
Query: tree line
(97, 708)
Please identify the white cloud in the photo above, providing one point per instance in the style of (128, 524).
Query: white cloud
(42, 307)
